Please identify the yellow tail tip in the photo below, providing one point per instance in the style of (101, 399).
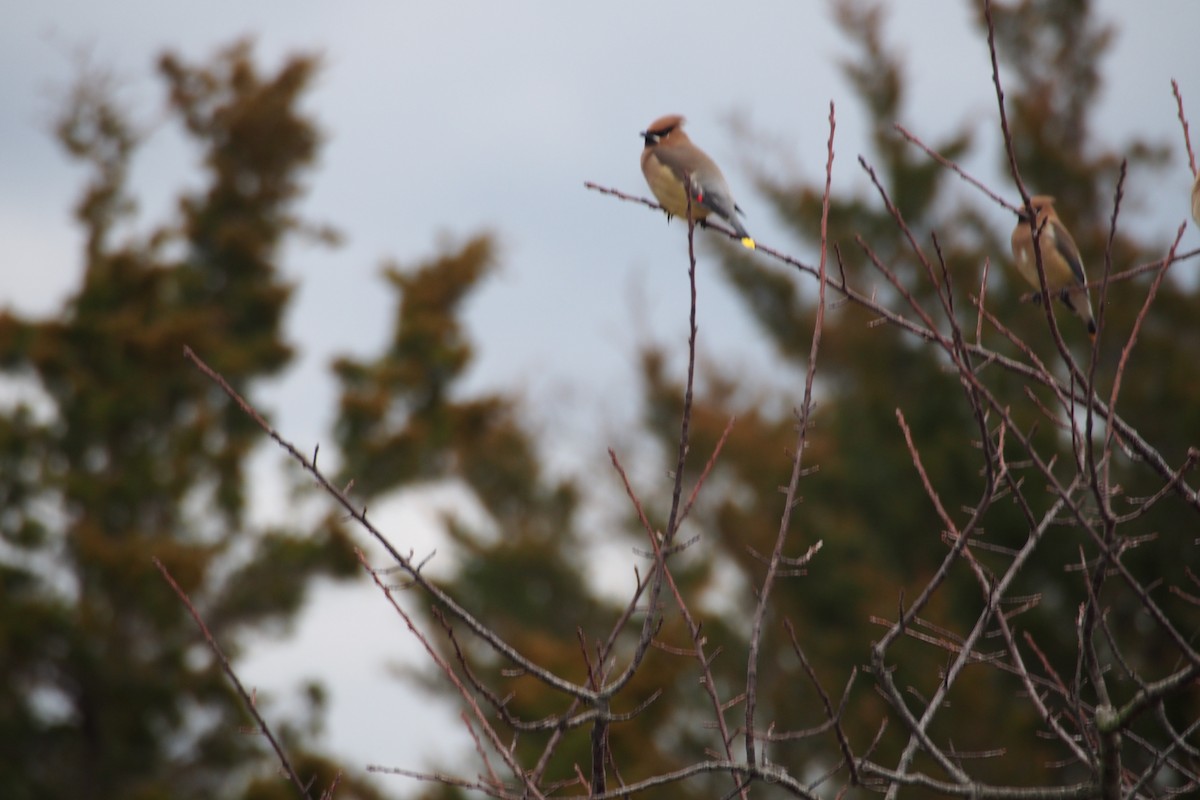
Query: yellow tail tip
(748, 243)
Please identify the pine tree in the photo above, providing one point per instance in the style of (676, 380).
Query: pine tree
(120, 451)
(864, 500)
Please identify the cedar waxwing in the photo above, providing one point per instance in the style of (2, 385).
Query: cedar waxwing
(670, 160)
(1060, 259)
(1196, 199)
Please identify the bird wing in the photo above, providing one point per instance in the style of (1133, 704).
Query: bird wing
(674, 160)
(713, 193)
(1065, 246)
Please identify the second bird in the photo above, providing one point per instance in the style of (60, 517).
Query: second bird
(671, 163)
(1060, 259)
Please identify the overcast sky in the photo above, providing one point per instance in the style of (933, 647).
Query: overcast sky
(450, 118)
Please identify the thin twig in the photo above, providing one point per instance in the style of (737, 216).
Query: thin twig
(948, 164)
(789, 503)
(447, 671)
(227, 668)
(484, 632)
(1187, 137)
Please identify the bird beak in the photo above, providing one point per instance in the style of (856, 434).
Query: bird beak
(649, 138)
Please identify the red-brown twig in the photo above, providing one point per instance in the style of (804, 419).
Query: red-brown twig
(661, 572)
(1100, 483)
(227, 668)
(708, 466)
(1127, 350)
(948, 164)
(404, 563)
(448, 672)
(834, 717)
(1187, 136)
(797, 464)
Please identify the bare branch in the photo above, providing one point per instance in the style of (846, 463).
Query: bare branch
(227, 668)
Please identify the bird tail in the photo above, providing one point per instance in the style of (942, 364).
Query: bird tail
(747, 240)
(1082, 307)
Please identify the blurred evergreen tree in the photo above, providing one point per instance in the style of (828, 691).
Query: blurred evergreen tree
(865, 500)
(118, 450)
(402, 420)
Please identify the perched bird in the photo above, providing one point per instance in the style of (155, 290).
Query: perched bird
(1196, 199)
(1060, 259)
(670, 162)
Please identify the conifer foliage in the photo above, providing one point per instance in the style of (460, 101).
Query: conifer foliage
(118, 451)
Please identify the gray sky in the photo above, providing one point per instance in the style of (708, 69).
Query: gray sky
(446, 119)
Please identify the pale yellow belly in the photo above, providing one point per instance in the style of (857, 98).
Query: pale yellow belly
(669, 191)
